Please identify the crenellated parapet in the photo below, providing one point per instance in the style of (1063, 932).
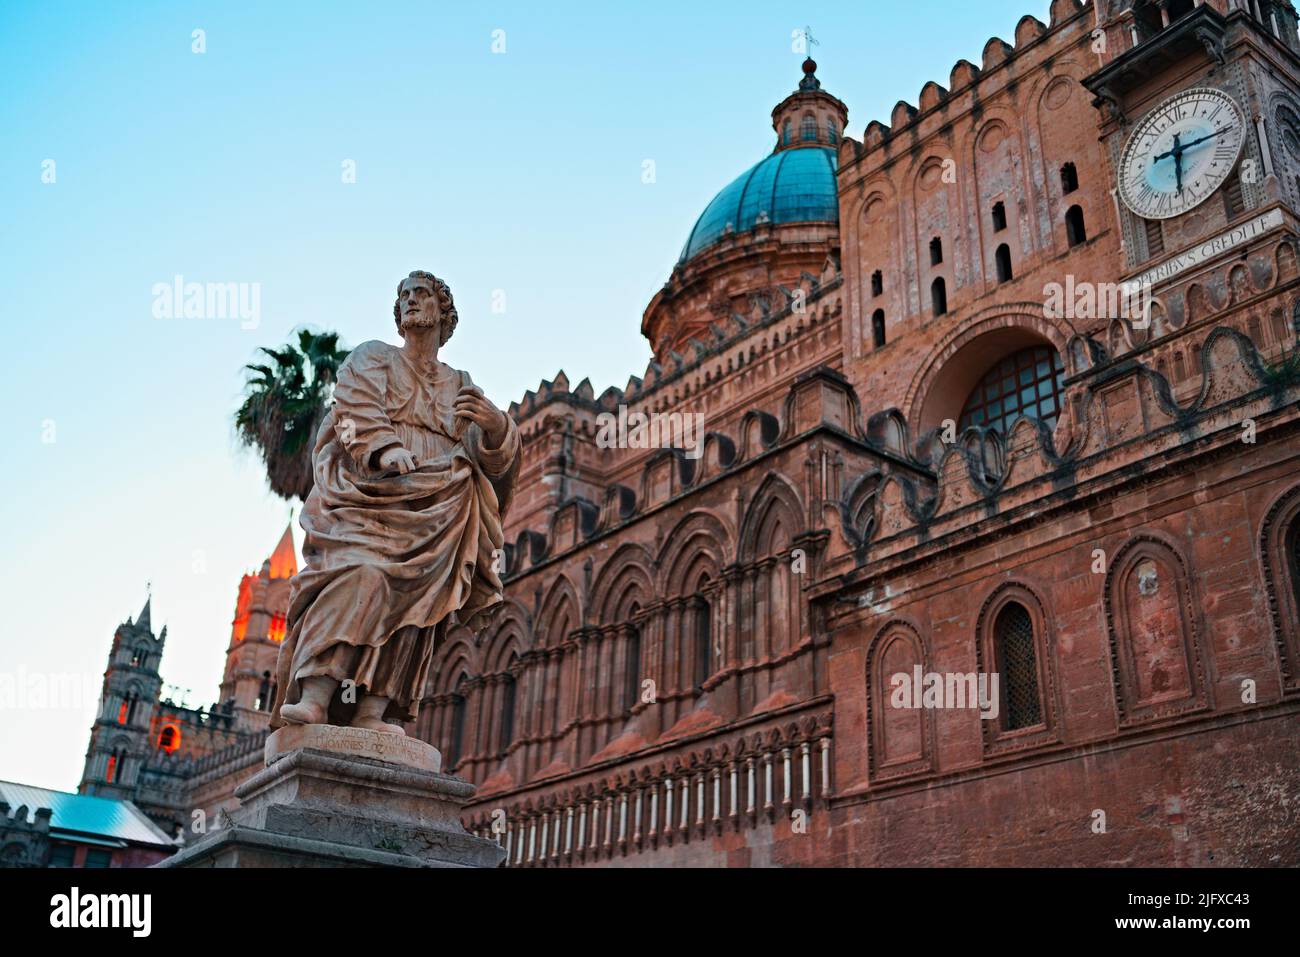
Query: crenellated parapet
(584, 469)
(968, 86)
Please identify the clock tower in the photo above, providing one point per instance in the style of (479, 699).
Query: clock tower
(1200, 116)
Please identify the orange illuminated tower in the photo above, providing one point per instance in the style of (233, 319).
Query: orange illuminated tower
(248, 684)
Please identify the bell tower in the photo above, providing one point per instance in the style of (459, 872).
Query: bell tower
(248, 683)
(119, 738)
(1200, 114)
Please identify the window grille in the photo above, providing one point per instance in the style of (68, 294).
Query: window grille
(1018, 662)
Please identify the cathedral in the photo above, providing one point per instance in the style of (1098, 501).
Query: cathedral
(987, 551)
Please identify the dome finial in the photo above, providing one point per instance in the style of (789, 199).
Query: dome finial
(809, 81)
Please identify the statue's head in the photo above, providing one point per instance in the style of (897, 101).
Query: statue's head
(424, 300)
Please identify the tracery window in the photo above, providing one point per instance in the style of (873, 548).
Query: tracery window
(458, 708)
(509, 690)
(703, 615)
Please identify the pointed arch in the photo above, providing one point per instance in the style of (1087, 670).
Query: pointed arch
(700, 541)
(561, 613)
(624, 579)
(774, 511)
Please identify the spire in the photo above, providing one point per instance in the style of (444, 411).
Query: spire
(143, 620)
(283, 561)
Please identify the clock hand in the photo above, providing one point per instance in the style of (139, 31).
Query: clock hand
(1187, 146)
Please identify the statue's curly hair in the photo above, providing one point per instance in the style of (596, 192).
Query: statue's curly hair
(446, 307)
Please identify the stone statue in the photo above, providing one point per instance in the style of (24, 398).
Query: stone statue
(413, 469)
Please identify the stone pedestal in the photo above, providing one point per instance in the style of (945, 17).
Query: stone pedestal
(345, 797)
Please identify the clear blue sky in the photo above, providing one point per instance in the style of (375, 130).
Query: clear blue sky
(519, 171)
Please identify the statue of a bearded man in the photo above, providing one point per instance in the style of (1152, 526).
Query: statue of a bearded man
(413, 469)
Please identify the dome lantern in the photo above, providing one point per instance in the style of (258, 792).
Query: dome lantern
(809, 116)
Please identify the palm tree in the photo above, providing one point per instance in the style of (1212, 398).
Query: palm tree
(284, 403)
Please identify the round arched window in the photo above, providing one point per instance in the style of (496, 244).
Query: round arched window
(1028, 382)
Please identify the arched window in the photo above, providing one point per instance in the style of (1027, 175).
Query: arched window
(999, 217)
(456, 747)
(1002, 257)
(785, 133)
(133, 702)
(1028, 382)
(1234, 204)
(939, 296)
(632, 672)
(1069, 178)
(702, 612)
(1013, 635)
(263, 702)
(1075, 231)
(877, 283)
(1280, 548)
(1293, 557)
(808, 128)
(1155, 236)
(170, 738)
(832, 133)
(936, 251)
(509, 689)
(878, 327)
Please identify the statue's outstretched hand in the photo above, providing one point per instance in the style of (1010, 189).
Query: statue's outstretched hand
(472, 404)
(396, 459)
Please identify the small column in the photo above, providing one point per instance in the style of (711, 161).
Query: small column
(685, 825)
(735, 793)
(668, 808)
(768, 806)
(805, 759)
(654, 814)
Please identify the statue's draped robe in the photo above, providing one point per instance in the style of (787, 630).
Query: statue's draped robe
(393, 560)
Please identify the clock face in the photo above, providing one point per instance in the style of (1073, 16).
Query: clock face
(1180, 153)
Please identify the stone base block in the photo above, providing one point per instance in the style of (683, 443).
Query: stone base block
(345, 797)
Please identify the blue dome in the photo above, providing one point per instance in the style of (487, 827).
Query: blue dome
(790, 186)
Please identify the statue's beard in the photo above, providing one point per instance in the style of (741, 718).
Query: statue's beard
(421, 320)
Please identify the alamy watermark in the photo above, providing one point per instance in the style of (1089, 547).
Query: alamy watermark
(949, 690)
(179, 299)
(1099, 300)
(654, 430)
